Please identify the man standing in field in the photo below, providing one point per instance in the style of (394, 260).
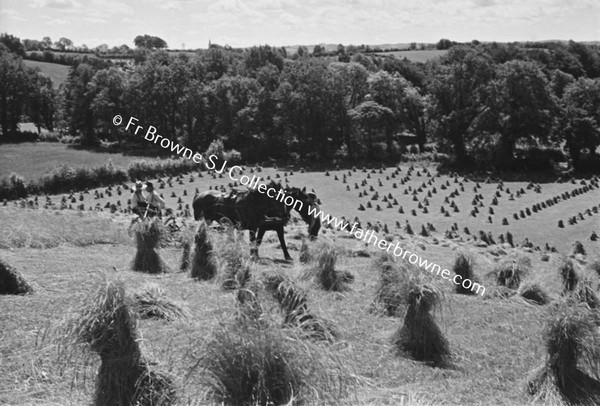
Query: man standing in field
(312, 202)
(154, 200)
(138, 200)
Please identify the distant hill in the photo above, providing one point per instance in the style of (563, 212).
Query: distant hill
(58, 73)
(291, 49)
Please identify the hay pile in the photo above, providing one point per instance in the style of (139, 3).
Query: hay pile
(246, 364)
(152, 302)
(511, 271)
(12, 282)
(249, 304)
(579, 284)
(204, 265)
(568, 275)
(534, 293)
(464, 266)
(419, 336)
(185, 255)
(323, 270)
(394, 284)
(571, 372)
(293, 303)
(305, 255)
(107, 326)
(148, 234)
(234, 262)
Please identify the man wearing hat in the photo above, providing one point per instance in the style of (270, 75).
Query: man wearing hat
(138, 200)
(154, 200)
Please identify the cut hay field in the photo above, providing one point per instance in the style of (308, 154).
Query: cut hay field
(32, 160)
(495, 341)
(58, 73)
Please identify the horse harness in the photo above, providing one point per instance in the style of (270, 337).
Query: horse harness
(232, 196)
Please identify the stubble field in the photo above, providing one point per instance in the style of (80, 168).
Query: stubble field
(495, 342)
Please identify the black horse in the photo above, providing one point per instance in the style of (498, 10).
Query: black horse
(255, 211)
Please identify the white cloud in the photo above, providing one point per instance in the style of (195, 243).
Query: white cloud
(56, 21)
(95, 20)
(60, 4)
(12, 15)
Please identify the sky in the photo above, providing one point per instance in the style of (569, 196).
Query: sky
(191, 24)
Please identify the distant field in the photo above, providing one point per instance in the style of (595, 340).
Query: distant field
(416, 56)
(58, 73)
(32, 160)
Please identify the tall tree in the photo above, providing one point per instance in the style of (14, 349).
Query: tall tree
(460, 92)
(522, 105)
(149, 42)
(371, 122)
(349, 83)
(13, 44)
(579, 119)
(15, 91)
(78, 103)
(106, 89)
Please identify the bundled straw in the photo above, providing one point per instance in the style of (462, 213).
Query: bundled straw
(203, 262)
(292, 301)
(148, 234)
(419, 336)
(395, 282)
(245, 364)
(511, 271)
(11, 281)
(305, 255)
(324, 272)
(463, 266)
(570, 374)
(249, 304)
(108, 326)
(569, 276)
(233, 260)
(151, 302)
(534, 293)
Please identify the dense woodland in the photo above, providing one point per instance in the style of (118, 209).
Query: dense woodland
(520, 105)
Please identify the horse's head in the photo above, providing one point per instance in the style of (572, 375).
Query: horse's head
(301, 196)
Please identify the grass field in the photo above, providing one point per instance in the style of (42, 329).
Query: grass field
(539, 228)
(32, 160)
(495, 342)
(416, 56)
(58, 73)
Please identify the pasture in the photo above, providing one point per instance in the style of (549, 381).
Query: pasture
(31, 160)
(57, 72)
(495, 341)
(416, 56)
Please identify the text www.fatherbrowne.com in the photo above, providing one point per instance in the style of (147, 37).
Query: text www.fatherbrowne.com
(368, 236)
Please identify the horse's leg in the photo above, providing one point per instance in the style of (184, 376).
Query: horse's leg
(282, 243)
(261, 233)
(253, 246)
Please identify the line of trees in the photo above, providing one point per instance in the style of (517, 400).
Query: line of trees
(482, 103)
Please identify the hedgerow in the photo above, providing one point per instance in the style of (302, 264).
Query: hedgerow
(65, 178)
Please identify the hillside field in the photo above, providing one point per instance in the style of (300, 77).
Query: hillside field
(32, 160)
(495, 341)
(416, 56)
(57, 72)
